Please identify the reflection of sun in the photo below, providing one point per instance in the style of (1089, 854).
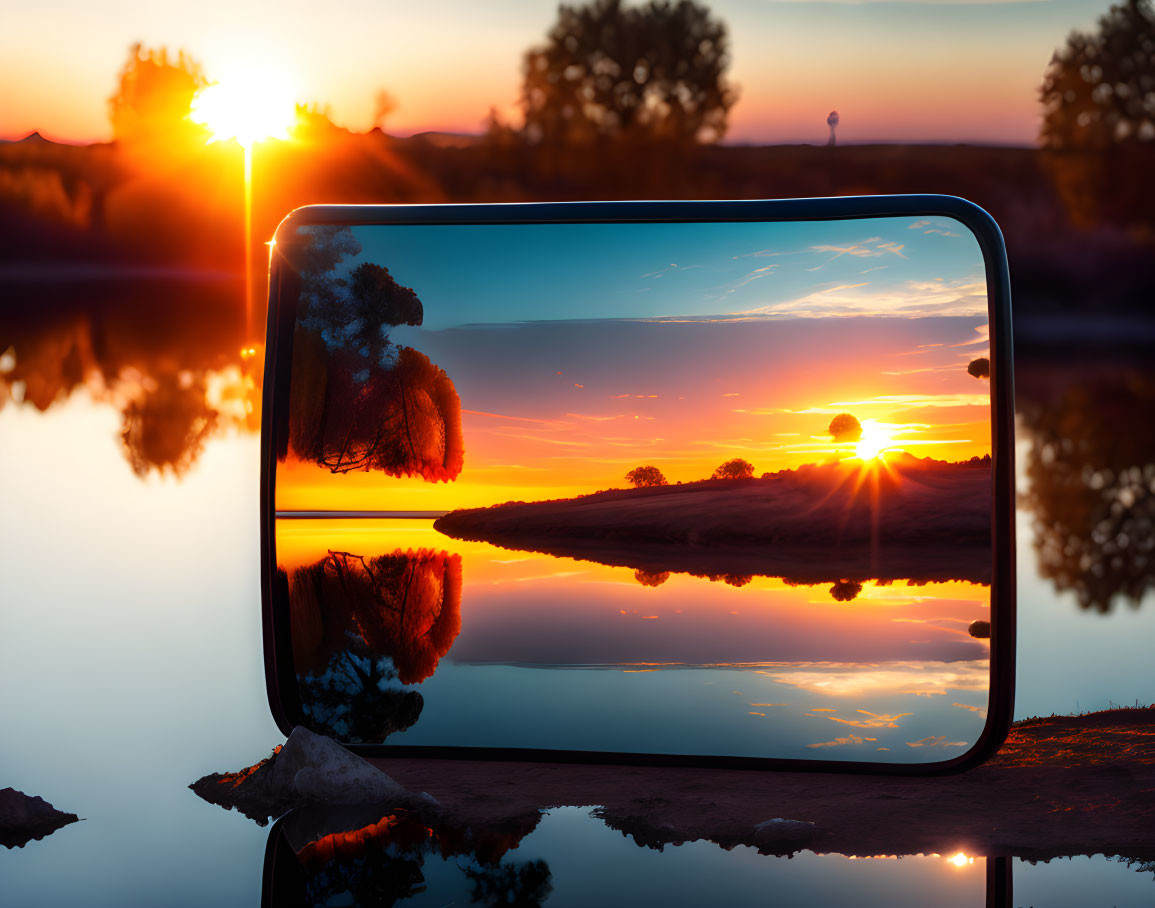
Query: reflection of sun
(875, 441)
(248, 106)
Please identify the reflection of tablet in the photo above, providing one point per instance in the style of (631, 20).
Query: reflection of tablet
(657, 482)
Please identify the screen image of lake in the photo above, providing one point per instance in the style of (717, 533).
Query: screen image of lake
(400, 632)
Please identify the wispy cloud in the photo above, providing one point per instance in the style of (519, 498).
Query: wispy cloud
(750, 277)
(936, 741)
(875, 247)
(911, 299)
(872, 720)
(922, 679)
(838, 742)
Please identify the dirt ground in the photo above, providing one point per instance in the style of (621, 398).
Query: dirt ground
(1059, 786)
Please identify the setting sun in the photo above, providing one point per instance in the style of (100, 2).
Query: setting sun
(248, 106)
(876, 440)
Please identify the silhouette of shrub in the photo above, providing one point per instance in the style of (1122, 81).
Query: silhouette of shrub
(734, 469)
(845, 427)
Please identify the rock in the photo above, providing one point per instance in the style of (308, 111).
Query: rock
(25, 817)
(308, 769)
(316, 769)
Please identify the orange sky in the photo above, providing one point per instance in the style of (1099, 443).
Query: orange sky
(584, 440)
(907, 71)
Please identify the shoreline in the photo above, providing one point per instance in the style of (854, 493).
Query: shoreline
(1059, 786)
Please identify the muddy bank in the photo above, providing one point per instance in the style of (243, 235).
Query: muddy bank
(1060, 786)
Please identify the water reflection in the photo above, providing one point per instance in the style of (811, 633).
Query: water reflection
(394, 637)
(361, 627)
(328, 857)
(359, 856)
(166, 353)
(1091, 485)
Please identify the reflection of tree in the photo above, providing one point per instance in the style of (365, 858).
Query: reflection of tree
(1092, 490)
(168, 426)
(175, 372)
(730, 579)
(359, 401)
(845, 590)
(1098, 119)
(405, 606)
(651, 578)
(352, 699)
(521, 885)
(383, 863)
(607, 71)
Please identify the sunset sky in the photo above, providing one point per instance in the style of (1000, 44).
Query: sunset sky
(582, 351)
(896, 71)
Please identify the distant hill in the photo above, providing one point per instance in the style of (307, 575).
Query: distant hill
(920, 520)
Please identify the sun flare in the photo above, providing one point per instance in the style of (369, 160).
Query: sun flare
(876, 440)
(248, 106)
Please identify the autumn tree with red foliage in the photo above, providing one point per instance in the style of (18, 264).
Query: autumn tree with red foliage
(359, 401)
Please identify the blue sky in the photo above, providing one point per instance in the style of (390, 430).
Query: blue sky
(515, 273)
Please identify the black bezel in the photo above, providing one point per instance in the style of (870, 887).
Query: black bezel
(279, 677)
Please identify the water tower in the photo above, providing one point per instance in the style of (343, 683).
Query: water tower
(832, 121)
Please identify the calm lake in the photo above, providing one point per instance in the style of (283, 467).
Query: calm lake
(130, 656)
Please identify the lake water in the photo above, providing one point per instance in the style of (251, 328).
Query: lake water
(130, 660)
(561, 653)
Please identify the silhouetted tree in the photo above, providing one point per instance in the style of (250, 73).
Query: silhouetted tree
(154, 96)
(980, 630)
(357, 400)
(642, 477)
(1099, 117)
(845, 427)
(653, 73)
(979, 368)
(378, 301)
(734, 469)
